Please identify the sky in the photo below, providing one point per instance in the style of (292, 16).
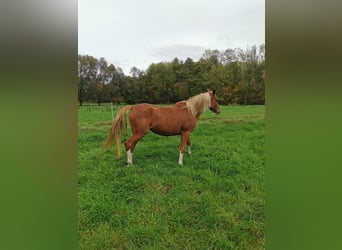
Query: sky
(137, 33)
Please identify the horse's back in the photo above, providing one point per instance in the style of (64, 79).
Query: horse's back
(142, 109)
(141, 115)
(180, 105)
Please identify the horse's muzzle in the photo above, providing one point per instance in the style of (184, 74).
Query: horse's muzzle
(215, 110)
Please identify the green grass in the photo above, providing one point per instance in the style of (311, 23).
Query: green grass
(215, 201)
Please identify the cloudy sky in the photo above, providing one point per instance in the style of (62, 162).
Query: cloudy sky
(140, 32)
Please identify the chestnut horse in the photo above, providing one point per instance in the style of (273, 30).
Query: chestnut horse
(179, 119)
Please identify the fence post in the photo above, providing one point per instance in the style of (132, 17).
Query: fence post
(111, 105)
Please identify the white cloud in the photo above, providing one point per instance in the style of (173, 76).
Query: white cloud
(136, 33)
(180, 51)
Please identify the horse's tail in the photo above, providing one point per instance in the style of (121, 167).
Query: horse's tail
(119, 125)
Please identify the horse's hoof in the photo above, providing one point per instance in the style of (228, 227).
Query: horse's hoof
(128, 164)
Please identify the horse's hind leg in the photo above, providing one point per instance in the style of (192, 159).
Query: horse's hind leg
(130, 146)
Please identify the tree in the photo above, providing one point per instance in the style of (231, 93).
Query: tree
(86, 74)
(101, 78)
(211, 55)
(159, 80)
(228, 56)
(112, 92)
(136, 73)
(237, 75)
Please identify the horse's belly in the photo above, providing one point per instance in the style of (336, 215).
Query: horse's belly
(166, 132)
(170, 121)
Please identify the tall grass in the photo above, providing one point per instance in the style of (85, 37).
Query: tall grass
(215, 201)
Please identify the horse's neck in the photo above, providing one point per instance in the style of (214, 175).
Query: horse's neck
(198, 104)
(198, 115)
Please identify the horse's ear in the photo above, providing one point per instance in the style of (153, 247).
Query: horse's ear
(213, 92)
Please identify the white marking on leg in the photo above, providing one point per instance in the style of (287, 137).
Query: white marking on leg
(180, 161)
(129, 157)
(189, 149)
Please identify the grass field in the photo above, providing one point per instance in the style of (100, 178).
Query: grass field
(215, 201)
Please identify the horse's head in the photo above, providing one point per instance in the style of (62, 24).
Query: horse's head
(214, 106)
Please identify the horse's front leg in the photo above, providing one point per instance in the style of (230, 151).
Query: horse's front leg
(184, 140)
(188, 143)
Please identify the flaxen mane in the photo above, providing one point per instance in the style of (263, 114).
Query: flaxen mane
(198, 103)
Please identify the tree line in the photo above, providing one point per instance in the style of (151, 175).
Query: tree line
(237, 75)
